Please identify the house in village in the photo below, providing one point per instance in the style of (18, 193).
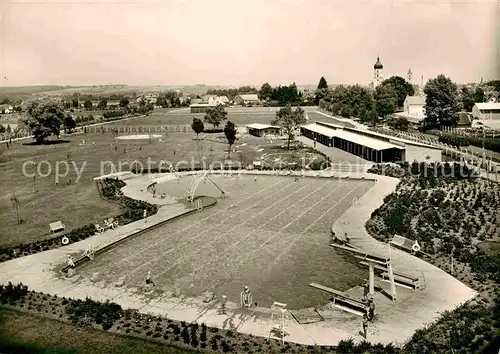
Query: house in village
(414, 106)
(223, 100)
(6, 109)
(210, 99)
(246, 99)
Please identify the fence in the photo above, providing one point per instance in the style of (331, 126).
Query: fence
(15, 135)
(461, 154)
(138, 129)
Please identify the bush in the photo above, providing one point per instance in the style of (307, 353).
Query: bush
(10, 293)
(185, 335)
(89, 312)
(203, 335)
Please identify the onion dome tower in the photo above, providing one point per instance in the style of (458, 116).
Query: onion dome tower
(378, 73)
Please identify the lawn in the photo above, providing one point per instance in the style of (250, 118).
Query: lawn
(27, 333)
(261, 235)
(79, 203)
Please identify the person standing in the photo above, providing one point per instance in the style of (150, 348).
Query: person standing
(365, 326)
(366, 290)
(149, 280)
(371, 309)
(145, 215)
(71, 263)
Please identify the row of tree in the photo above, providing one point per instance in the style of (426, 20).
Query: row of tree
(443, 100)
(88, 105)
(281, 95)
(170, 99)
(362, 102)
(232, 92)
(45, 118)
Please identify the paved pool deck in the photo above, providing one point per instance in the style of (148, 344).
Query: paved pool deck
(395, 321)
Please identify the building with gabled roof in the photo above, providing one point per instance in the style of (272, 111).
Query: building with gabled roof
(413, 106)
(486, 111)
(246, 99)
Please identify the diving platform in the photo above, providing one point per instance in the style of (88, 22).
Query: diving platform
(343, 301)
(373, 261)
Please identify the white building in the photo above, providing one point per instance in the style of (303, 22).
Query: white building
(486, 111)
(370, 145)
(378, 73)
(7, 108)
(210, 99)
(223, 100)
(414, 106)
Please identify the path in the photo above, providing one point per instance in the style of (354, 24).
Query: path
(396, 322)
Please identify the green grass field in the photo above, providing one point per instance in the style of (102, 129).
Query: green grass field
(26, 333)
(79, 203)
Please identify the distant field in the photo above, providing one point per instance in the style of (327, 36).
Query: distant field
(262, 235)
(23, 92)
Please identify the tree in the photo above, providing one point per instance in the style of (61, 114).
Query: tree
(69, 123)
(401, 87)
(441, 102)
(124, 102)
(321, 91)
(400, 123)
(74, 102)
(265, 92)
(87, 104)
(289, 120)
(197, 126)
(215, 115)
(385, 100)
(103, 103)
(467, 98)
(322, 83)
(479, 95)
(44, 119)
(15, 203)
(230, 133)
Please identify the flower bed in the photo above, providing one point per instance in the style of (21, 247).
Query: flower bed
(132, 210)
(111, 317)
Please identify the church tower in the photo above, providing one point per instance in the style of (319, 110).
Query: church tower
(409, 76)
(378, 73)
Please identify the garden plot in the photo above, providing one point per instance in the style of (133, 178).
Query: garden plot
(262, 235)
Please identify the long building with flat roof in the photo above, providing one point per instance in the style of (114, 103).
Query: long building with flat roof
(370, 145)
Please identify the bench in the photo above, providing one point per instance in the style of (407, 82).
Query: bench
(57, 226)
(403, 243)
(403, 279)
(343, 299)
(400, 278)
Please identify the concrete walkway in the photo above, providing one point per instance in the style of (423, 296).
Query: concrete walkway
(395, 322)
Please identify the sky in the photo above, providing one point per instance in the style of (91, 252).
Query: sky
(240, 42)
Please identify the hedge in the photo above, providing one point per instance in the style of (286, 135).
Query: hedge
(492, 144)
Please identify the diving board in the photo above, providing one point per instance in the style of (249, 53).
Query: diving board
(343, 301)
(372, 260)
(400, 278)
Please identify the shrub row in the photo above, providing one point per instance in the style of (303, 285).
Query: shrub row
(108, 315)
(492, 144)
(10, 293)
(132, 210)
(426, 171)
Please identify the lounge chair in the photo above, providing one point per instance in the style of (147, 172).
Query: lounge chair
(99, 228)
(112, 223)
